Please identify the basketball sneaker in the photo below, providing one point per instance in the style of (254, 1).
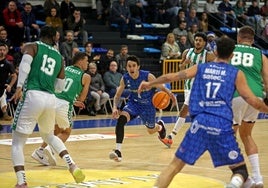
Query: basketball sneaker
(39, 156)
(249, 183)
(77, 173)
(24, 185)
(258, 181)
(167, 141)
(162, 133)
(230, 185)
(115, 155)
(50, 156)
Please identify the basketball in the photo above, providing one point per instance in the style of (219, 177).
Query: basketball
(161, 100)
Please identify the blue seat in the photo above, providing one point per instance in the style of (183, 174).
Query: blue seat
(146, 25)
(150, 37)
(151, 50)
(40, 23)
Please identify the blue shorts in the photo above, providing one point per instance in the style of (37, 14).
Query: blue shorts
(220, 143)
(146, 112)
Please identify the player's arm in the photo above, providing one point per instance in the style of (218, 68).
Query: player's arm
(245, 92)
(184, 60)
(118, 93)
(210, 57)
(60, 81)
(85, 82)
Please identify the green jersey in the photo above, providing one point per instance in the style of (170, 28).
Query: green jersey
(45, 68)
(73, 84)
(196, 58)
(249, 60)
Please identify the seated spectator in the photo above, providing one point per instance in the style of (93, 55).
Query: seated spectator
(13, 23)
(264, 9)
(53, 20)
(193, 30)
(180, 30)
(32, 30)
(121, 59)
(57, 41)
(137, 10)
(211, 41)
(120, 14)
(170, 49)
(227, 14)
(210, 7)
(105, 61)
(103, 9)
(253, 13)
(112, 80)
(4, 39)
(76, 23)
(67, 48)
(66, 9)
(203, 23)
(239, 10)
(192, 19)
(184, 43)
(97, 89)
(48, 4)
(171, 7)
(187, 5)
(91, 57)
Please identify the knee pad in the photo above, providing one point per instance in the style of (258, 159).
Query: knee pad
(122, 120)
(242, 170)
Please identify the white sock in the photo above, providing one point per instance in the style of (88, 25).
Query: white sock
(21, 177)
(118, 146)
(255, 165)
(178, 125)
(68, 159)
(237, 181)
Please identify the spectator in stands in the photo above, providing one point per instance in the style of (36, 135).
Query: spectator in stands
(57, 41)
(88, 50)
(105, 61)
(240, 12)
(31, 29)
(176, 20)
(263, 28)
(180, 30)
(203, 23)
(66, 9)
(67, 48)
(210, 7)
(192, 19)
(170, 48)
(112, 79)
(97, 89)
(171, 7)
(6, 70)
(55, 21)
(137, 10)
(264, 9)
(211, 41)
(13, 23)
(120, 14)
(227, 14)
(49, 4)
(76, 23)
(193, 30)
(254, 14)
(121, 59)
(4, 39)
(17, 55)
(103, 7)
(184, 43)
(187, 5)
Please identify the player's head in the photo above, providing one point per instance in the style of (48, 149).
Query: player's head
(133, 65)
(48, 34)
(200, 40)
(245, 35)
(225, 47)
(80, 59)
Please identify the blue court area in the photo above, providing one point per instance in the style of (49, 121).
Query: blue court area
(108, 122)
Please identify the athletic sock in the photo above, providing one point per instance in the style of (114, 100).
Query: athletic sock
(68, 159)
(118, 146)
(178, 125)
(21, 177)
(255, 165)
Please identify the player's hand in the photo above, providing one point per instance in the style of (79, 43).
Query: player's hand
(17, 95)
(115, 113)
(144, 86)
(173, 99)
(79, 104)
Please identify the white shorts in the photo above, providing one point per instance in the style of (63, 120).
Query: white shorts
(243, 111)
(187, 94)
(63, 113)
(3, 100)
(37, 107)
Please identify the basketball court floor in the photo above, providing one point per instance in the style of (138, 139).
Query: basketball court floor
(144, 156)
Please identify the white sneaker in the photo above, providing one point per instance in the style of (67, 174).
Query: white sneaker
(249, 183)
(38, 155)
(50, 156)
(258, 181)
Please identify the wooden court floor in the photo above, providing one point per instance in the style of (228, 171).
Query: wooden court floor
(140, 151)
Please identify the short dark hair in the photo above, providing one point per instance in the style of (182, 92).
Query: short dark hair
(225, 46)
(47, 32)
(202, 35)
(133, 58)
(78, 56)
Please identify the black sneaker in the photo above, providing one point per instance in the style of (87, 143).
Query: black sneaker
(115, 155)
(162, 133)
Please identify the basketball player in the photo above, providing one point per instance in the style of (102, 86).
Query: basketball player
(41, 73)
(212, 117)
(74, 93)
(254, 64)
(137, 104)
(190, 57)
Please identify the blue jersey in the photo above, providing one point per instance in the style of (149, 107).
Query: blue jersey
(213, 90)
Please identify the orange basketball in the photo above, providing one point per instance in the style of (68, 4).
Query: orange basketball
(161, 100)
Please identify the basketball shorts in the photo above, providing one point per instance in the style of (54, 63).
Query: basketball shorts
(221, 145)
(146, 112)
(243, 111)
(37, 107)
(63, 113)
